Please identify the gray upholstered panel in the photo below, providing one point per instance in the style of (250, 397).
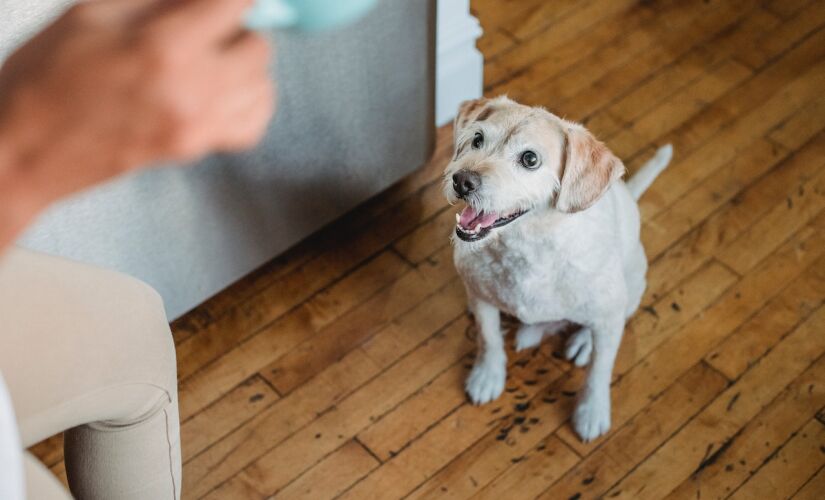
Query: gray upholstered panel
(355, 115)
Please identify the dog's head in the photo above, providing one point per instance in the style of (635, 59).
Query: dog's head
(512, 159)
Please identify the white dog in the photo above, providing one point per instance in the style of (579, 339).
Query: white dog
(550, 235)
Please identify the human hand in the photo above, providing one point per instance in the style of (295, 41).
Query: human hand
(115, 84)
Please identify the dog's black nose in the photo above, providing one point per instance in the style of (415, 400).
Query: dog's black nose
(465, 182)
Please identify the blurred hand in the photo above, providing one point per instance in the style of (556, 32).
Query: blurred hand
(115, 84)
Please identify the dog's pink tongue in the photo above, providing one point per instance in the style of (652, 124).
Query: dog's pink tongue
(470, 218)
(468, 215)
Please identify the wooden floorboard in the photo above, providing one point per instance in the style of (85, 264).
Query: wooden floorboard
(336, 370)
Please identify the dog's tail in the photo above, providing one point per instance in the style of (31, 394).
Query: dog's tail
(642, 179)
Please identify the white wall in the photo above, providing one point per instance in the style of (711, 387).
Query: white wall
(459, 65)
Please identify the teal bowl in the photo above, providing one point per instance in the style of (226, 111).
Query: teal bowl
(305, 15)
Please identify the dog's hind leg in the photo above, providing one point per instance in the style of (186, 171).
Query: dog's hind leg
(579, 347)
(529, 336)
(486, 380)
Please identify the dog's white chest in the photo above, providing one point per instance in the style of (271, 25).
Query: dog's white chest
(520, 279)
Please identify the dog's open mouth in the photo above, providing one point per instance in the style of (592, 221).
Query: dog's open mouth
(472, 225)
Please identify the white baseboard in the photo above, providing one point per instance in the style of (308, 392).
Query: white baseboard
(459, 73)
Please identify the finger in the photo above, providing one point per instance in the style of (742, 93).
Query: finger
(244, 63)
(244, 120)
(250, 132)
(251, 77)
(252, 115)
(201, 19)
(248, 47)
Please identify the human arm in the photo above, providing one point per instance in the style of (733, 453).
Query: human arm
(114, 85)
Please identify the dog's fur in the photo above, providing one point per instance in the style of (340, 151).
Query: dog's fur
(573, 256)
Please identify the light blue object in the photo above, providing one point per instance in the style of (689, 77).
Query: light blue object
(305, 15)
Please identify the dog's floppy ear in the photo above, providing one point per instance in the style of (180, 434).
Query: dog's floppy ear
(588, 170)
(467, 111)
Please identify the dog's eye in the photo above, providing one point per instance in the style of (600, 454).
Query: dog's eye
(478, 140)
(529, 159)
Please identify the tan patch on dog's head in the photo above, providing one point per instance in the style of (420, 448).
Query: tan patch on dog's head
(485, 113)
(472, 110)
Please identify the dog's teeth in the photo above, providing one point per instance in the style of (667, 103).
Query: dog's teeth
(477, 228)
(457, 218)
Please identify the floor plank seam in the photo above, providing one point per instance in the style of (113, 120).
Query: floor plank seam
(432, 425)
(809, 224)
(805, 483)
(405, 311)
(768, 404)
(790, 158)
(357, 482)
(765, 304)
(616, 39)
(659, 139)
(753, 362)
(266, 381)
(781, 54)
(666, 441)
(660, 294)
(715, 260)
(394, 453)
(630, 421)
(781, 147)
(785, 18)
(392, 249)
(512, 37)
(349, 394)
(660, 100)
(698, 314)
(772, 456)
(520, 71)
(682, 374)
(243, 421)
(722, 207)
(651, 75)
(463, 403)
(368, 450)
(713, 369)
(299, 305)
(309, 469)
(539, 394)
(756, 72)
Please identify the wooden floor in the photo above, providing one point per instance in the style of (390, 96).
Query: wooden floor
(337, 369)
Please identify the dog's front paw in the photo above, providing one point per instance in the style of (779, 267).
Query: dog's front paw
(592, 416)
(486, 381)
(579, 347)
